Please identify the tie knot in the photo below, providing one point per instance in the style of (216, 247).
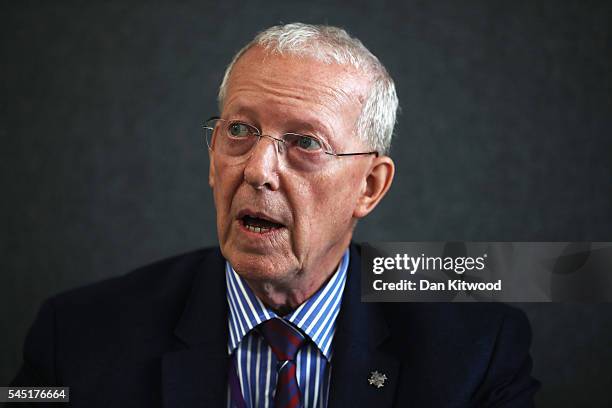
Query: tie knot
(283, 338)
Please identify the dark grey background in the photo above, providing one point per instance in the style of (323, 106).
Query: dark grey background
(505, 134)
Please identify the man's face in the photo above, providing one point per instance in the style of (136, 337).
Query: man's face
(315, 209)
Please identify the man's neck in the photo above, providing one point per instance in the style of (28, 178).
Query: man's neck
(284, 298)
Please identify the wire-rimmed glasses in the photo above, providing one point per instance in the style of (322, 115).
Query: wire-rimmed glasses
(236, 139)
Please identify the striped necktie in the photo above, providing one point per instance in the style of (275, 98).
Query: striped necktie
(285, 341)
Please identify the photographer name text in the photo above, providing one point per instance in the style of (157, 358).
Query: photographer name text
(427, 285)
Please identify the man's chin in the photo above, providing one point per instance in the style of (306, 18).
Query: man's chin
(253, 264)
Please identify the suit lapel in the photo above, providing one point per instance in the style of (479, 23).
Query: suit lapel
(360, 333)
(195, 375)
(194, 378)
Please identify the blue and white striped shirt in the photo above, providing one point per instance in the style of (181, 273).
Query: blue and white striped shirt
(256, 363)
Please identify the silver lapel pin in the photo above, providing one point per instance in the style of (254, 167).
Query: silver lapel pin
(377, 379)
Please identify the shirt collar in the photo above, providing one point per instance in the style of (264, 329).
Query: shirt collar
(316, 317)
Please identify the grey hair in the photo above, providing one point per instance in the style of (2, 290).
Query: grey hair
(330, 45)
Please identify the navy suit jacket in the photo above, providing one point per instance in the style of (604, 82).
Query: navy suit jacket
(158, 337)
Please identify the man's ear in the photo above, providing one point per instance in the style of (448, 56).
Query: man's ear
(376, 184)
(211, 170)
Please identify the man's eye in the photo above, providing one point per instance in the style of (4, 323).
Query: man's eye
(308, 143)
(239, 130)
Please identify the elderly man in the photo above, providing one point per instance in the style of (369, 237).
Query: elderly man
(272, 318)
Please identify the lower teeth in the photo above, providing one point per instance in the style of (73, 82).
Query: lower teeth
(257, 229)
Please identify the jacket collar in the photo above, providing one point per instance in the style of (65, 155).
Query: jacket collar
(359, 348)
(195, 374)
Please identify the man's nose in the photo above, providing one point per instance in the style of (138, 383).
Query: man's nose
(261, 168)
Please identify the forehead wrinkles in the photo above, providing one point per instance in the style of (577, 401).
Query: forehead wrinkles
(324, 96)
(292, 81)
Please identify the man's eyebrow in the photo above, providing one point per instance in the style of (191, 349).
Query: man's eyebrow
(309, 125)
(243, 111)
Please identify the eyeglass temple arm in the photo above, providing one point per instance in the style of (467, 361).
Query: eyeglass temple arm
(352, 154)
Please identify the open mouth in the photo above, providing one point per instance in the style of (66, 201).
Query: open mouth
(259, 225)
